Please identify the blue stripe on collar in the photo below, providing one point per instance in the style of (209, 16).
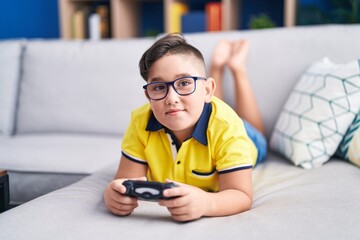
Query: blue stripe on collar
(153, 124)
(202, 125)
(199, 132)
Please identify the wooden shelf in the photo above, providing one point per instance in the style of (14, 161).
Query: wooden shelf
(230, 14)
(125, 18)
(289, 13)
(125, 15)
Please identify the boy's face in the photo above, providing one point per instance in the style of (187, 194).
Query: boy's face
(180, 113)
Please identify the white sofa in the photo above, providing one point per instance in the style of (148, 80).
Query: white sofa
(64, 106)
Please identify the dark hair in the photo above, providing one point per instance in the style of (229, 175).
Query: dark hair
(169, 44)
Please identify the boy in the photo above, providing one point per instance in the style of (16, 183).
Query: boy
(184, 135)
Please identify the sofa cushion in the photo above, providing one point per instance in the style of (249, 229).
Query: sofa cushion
(349, 147)
(83, 87)
(318, 112)
(10, 59)
(38, 164)
(58, 153)
(288, 203)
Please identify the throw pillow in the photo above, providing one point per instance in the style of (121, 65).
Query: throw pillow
(349, 147)
(317, 113)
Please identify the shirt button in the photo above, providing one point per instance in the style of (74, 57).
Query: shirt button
(178, 162)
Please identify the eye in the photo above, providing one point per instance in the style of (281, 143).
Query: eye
(157, 87)
(184, 82)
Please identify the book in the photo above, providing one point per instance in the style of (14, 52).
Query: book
(194, 21)
(94, 26)
(79, 25)
(103, 12)
(213, 16)
(177, 9)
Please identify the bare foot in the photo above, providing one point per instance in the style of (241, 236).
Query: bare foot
(239, 51)
(221, 53)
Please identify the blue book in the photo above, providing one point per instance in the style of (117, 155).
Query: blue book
(193, 21)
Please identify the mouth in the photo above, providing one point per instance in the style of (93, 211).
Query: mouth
(173, 111)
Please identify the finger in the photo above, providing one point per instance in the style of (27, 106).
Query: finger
(121, 211)
(118, 186)
(174, 203)
(115, 194)
(180, 191)
(182, 214)
(177, 183)
(177, 211)
(124, 207)
(183, 218)
(139, 178)
(123, 199)
(119, 198)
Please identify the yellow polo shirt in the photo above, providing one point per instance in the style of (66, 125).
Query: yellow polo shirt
(219, 144)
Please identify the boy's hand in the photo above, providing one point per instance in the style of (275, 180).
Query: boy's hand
(116, 202)
(190, 202)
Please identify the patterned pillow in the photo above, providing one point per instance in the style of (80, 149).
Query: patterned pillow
(317, 113)
(349, 147)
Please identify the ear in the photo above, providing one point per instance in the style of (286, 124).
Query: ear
(210, 87)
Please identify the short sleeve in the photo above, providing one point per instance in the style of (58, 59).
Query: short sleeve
(133, 143)
(234, 150)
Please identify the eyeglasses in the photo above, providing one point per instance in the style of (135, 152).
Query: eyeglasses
(182, 86)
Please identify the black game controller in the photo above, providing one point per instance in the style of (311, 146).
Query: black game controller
(146, 190)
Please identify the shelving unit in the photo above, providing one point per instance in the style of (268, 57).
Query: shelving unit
(67, 8)
(125, 15)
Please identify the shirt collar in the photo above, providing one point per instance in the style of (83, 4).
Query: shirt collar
(199, 132)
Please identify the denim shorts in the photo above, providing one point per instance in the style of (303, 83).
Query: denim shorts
(258, 139)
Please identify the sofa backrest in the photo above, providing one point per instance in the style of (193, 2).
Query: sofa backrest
(10, 59)
(80, 86)
(91, 87)
(278, 57)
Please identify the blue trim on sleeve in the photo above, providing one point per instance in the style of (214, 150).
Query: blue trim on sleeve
(235, 169)
(133, 159)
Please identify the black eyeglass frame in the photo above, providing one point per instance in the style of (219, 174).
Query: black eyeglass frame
(167, 84)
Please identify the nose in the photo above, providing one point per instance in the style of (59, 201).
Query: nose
(172, 96)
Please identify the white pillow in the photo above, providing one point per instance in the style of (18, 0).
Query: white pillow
(317, 113)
